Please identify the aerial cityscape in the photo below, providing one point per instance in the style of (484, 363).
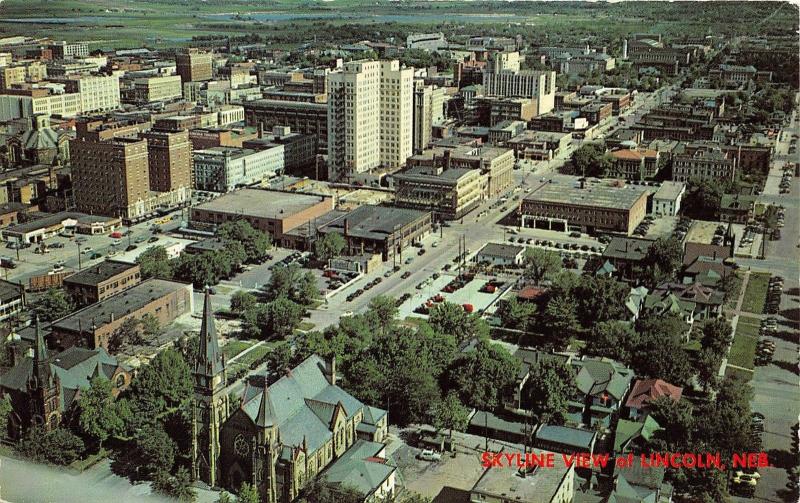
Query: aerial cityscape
(399, 251)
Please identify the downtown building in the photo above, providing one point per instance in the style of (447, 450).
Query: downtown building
(503, 77)
(370, 117)
(194, 65)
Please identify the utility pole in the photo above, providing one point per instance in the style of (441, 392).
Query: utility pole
(79, 256)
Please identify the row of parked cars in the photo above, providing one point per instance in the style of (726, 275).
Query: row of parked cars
(644, 226)
(366, 287)
(786, 182)
(774, 295)
(766, 347)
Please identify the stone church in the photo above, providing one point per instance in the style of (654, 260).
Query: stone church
(278, 437)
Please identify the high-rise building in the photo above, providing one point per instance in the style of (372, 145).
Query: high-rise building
(64, 50)
(395, 112)
(193, 65)
(503, 77)
(10, 75)
(110, 177)
(97, 92)
(169, 156)
(428, 111)
(370, 121)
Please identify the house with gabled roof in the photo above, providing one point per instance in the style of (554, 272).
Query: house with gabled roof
(600, 388)
(645, 391)
(634, 436)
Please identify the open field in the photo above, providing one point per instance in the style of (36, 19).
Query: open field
(285, 23)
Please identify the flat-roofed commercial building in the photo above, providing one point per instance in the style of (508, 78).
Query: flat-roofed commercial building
(222, 169)
(383, 230)
(568, 203)
(448, 193)
(193, 65)
(93, 326)
(101, 281)
(704, 164)
(151, 89)
(272, 211)
(539, 485)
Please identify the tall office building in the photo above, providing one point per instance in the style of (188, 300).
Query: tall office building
(396, 116)
(428, 111)
(503, 77)
(169, 156)
(110, 177)
(193, 65)
(97, 92)
(370, 121)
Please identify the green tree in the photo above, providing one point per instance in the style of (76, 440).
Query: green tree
(540, 264)
(153, 451)
(613, 339)
(99, 416)
(383, 310)
(676, 420)
(717, 335)
(449, 413)
(154, 263)
(58, 446)
(481, 377)
(255, 242)
(515, 314)
(321, 491)
(451, 319)
(547, 392)
(241, 301)
(561, 319)
(329, 246)
(291, 282)
(280, 357)
(5, 415)
(600, 298)
(248, 494)
(130, 332)
(151, 327)
(225, 497)
(703, 199)
(283, 316)
(660, 353)
(663, 258)
(54, 304)
(163, 385)
(725, 423)
(201, 270)
(591, 160)
(178, 486)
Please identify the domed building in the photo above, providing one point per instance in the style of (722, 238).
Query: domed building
(39, 145)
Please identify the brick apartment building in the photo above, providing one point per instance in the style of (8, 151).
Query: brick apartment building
(169, 156)
(101, 281)
(93, 326)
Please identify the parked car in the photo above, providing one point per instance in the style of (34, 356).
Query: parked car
(574, 234)
(430, 455)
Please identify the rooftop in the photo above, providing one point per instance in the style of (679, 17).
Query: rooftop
(603, 194)
(122, 304)
(568, 436)
(262, 203)
(374, 222)
(540, 485)
(670, 190)
(627, 248)
(501, 250)
(98, 273)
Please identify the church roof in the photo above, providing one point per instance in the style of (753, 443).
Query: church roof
(209, 361)
(360, 468)
(302, 404)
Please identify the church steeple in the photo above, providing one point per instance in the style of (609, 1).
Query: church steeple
(41, 366)
(209, 359)
(210, 404)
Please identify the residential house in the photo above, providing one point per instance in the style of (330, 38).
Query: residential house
(645, 391)
(627, 255)
(600, 388)
(634, 436)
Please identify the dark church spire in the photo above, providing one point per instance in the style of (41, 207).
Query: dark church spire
(209, 358)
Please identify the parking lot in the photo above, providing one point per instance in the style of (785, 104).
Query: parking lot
(472, 293)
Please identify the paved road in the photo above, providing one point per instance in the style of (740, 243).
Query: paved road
(776, 393)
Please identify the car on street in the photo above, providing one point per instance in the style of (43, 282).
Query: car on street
(152, 239)
(429, 455)
(56, 245)
(406, 275)
(87, 250)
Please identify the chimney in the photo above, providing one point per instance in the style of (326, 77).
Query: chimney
(333, 371)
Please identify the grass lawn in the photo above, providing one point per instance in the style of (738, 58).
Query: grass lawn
(305, 326)
(743, 350)
(234, 347)
(756, 294)
(254, 355)
(744, 375)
